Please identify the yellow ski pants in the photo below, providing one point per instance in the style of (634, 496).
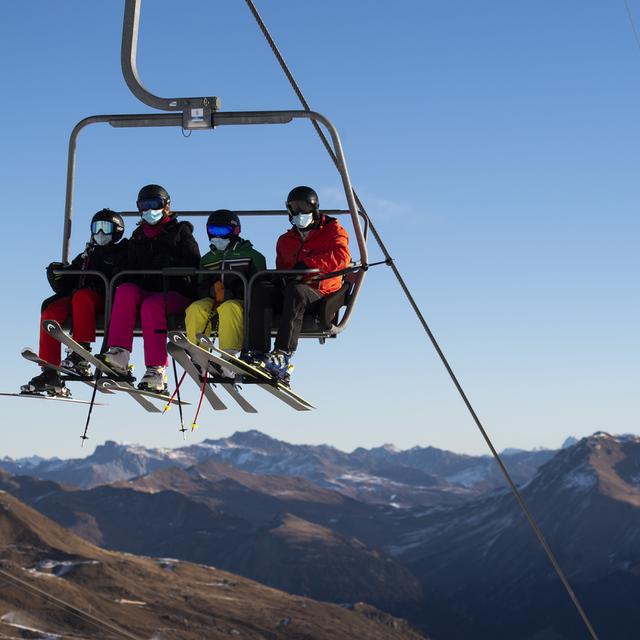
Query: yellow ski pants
(198, 319)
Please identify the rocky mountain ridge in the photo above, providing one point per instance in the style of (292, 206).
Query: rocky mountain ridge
(458, 570)
(162, 598)
(382, 475)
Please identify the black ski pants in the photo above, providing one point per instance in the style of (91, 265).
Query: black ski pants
(291, 302)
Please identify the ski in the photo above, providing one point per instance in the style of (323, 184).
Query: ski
(111, 384)
(55, 330)
(183, 352)
(263, 380)
(69, 376)
(257, 372)
(38, 396)
(183, 359)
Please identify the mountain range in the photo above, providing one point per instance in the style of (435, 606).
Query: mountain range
(383, 475)
(466, 566)
(155, 598)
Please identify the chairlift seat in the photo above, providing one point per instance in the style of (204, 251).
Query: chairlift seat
(320, 321)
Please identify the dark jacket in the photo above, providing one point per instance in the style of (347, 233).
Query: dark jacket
(174, 246)
(239, 256)
(109, 260)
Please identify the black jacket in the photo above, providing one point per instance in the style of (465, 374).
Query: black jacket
(175, 246)
(109, 260)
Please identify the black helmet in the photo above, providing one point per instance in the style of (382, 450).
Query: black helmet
(106, 215)
(223, 218)
(303, 200)
(151, 191)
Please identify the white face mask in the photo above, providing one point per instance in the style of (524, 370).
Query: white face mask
(101, 238)
(152, 216)
(302, 220)
(219, 244)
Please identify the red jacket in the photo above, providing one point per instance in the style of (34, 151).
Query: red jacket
(326, 247)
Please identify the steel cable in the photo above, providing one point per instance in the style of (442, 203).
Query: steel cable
(633, 24)
(388, 259)
(58, 602)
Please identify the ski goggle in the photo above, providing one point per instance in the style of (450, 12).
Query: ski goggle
(301, 206)
(150, 203)
(220, 230)
(102, 225)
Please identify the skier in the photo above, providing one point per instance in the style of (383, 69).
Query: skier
(158, 242)
(82, 297)
(315, 241)
(223, 295)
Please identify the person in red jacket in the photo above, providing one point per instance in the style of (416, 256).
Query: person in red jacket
(315, 241)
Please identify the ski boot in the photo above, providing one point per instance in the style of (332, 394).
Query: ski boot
(76, 363)
(49, 382)
(253, 358)
(117, 359)
(154, 379)
(278, 364)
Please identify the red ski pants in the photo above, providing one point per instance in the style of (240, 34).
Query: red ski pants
(82, 306)
(130, 301)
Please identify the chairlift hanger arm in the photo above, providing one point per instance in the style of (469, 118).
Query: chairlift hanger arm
(128, 59)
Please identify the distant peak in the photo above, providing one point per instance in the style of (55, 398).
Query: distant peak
(253, 437)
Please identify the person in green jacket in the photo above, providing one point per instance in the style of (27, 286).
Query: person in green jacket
(223, 294)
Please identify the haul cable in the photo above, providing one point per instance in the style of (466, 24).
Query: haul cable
(58, 602)
(389, 260)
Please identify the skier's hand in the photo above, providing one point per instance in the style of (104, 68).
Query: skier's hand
(55, 281)
(300, 265)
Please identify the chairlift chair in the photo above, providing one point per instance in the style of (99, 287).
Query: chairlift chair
(202, 113)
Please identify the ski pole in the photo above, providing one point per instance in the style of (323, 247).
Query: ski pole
(194, 424)
(84, 436)
(175, 391)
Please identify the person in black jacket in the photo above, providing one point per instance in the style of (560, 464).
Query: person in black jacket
(158, 242)
(80, 297)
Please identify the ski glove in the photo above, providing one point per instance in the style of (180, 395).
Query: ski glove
(218, 291)
(57, 282)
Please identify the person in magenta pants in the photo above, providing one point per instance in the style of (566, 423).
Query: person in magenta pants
(158, 242)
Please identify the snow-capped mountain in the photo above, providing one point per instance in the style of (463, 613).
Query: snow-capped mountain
(467, 570)
(586, 500)
(384, 475)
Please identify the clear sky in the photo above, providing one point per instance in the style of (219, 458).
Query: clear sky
(494, 144)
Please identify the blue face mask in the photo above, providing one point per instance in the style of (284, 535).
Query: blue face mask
(152, 216)
(102, 238)
(302, 220)
(219, 244)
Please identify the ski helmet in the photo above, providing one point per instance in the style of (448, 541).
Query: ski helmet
(109, 217)
(152, 192)
(223, 223)
(303, 200)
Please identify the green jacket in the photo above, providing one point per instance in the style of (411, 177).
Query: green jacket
(239, 256)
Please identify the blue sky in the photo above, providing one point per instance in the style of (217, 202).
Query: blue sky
(495, 145)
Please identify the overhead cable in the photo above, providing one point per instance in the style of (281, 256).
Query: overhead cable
(633, 24)
(518, 496)
(58, 602)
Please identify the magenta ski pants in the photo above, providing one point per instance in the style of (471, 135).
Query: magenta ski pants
(130, 300)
